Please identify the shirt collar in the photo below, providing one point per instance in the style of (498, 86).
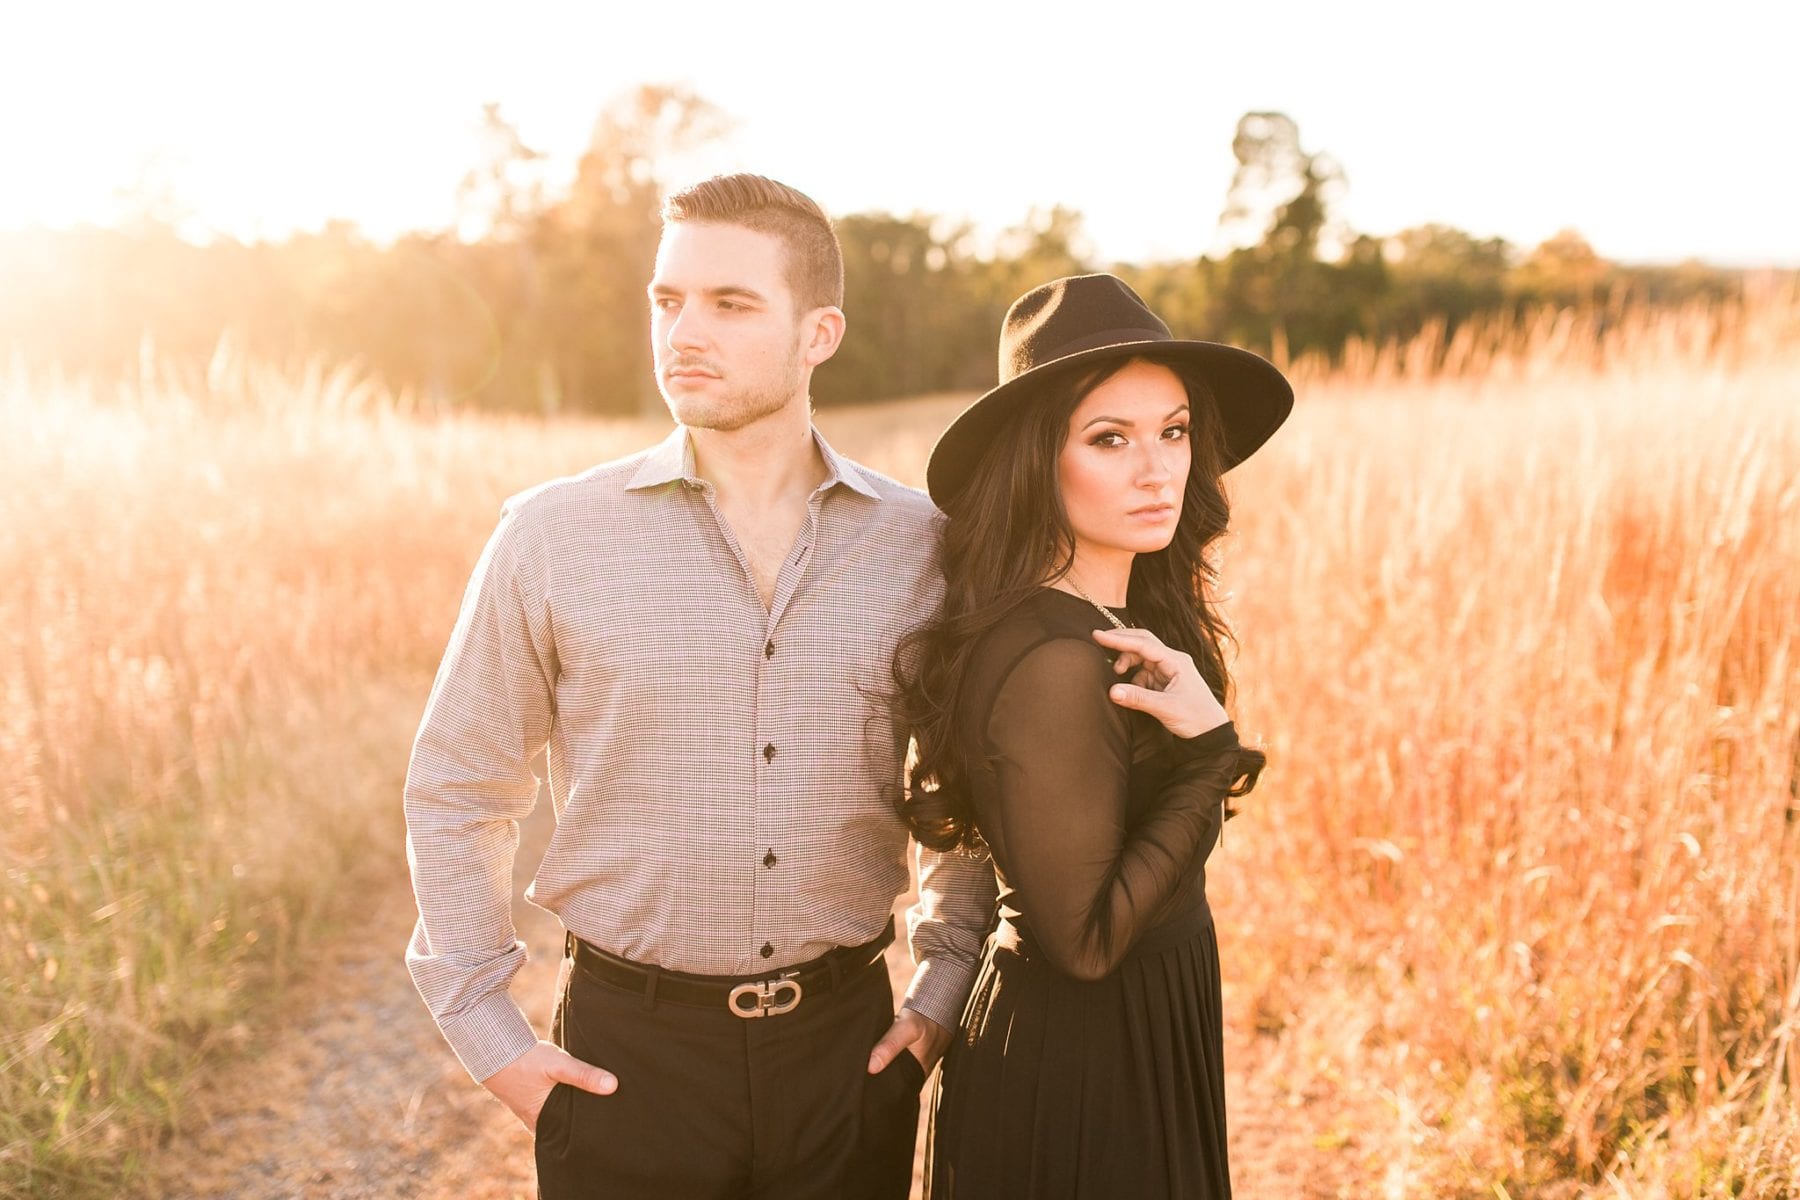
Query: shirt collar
(672, 459)
(841, 470)
(669, 460)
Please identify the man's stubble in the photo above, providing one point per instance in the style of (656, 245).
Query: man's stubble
(736, 409)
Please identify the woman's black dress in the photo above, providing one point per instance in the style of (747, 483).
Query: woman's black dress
(1089, 1064)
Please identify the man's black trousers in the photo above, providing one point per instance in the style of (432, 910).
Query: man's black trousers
(712, 1105)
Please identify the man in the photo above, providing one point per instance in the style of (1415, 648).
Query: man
(699, 637)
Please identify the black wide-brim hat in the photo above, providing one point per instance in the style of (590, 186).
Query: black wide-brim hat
(1085, 320)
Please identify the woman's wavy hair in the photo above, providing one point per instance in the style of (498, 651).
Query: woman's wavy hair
(1007, 533)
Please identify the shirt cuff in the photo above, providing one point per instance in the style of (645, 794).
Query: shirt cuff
(492, 1035)
(939, 989)
(1205, 745)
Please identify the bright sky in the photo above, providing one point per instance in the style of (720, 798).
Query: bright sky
(1660, 131)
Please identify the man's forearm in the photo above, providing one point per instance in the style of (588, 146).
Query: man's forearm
(468, 784)
(948, 926)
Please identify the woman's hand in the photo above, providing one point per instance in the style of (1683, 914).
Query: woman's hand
(1162, 682)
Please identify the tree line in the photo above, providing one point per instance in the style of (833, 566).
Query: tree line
(537, 304)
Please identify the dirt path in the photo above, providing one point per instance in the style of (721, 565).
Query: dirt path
(354, 1096)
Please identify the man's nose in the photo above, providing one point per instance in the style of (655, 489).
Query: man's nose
(686, 331)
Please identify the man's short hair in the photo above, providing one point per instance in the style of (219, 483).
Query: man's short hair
(815, 263)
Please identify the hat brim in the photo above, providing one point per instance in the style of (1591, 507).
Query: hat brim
(1253, 399)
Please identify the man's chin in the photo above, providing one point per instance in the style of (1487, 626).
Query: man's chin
(700, 416)
(687, 407)
(705, 412)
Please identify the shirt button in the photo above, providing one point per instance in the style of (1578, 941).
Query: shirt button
(767, 951)
(769, 752)
(769, 859)
(769, 650)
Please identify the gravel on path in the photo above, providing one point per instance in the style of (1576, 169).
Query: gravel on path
(351, 1094)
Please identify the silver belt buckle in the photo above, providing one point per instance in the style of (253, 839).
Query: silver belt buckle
(765, 997)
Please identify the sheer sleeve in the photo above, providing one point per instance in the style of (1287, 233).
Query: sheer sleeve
(1061, 752)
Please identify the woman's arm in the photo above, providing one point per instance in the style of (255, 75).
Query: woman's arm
(1061, 752)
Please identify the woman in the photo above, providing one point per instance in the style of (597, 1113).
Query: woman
(1067, 707)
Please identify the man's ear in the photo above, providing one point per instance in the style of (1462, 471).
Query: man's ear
(827, 334)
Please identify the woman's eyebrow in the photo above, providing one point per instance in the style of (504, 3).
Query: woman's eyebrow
(1122, 421)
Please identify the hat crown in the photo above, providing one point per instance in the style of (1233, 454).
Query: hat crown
(1090, 320)
(1069, 315)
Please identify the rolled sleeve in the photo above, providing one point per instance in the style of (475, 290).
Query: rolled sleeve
(946, 928)
(491, 1031)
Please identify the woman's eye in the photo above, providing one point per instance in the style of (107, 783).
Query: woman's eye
(1109, 439)
(1175, 432)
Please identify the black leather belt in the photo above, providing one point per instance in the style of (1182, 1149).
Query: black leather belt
(766, 995)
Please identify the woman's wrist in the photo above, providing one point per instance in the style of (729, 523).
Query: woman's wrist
(1213, 741)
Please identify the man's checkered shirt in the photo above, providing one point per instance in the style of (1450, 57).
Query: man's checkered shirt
(723, 776)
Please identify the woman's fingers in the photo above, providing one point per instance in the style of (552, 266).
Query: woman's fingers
(1163, 682)
(1135, 670)
(1140, 647)
(1184, 712)
(1141, 642)
(1131, 636)
(1146, 700)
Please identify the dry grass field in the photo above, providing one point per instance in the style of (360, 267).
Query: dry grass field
(1515, 911)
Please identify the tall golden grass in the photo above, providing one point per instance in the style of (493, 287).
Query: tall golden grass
(1518, 612)
(1525, 641)
(223, 598)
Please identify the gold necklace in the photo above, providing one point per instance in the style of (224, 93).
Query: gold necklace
(1104, 611)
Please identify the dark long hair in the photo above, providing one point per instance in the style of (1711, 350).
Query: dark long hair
(1007, 533)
